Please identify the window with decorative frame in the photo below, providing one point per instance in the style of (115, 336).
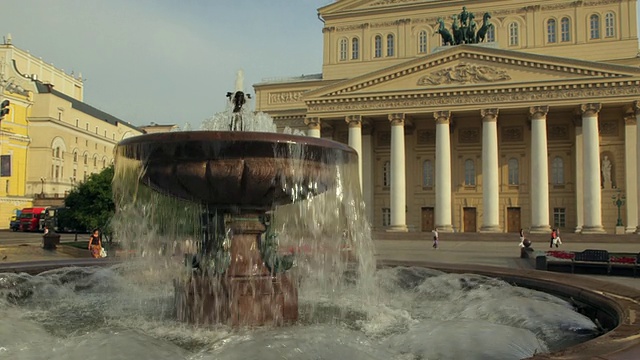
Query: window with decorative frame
(422, 42)
(386, 174)
(343, 49)
(565, 29)
(377, 47)
(609, 25)
(427, 174)
(514, 171)
(386, 217)
(514, 34)
(391, 48)
(594, 26)
(355, 48)
(491, 34)
(557, 171)
(469, 173)
(551, 31)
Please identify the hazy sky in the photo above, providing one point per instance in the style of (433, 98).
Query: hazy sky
(168, 61)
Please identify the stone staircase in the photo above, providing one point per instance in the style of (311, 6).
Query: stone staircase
(566, 237)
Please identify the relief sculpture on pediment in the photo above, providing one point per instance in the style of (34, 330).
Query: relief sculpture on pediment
(464, 73)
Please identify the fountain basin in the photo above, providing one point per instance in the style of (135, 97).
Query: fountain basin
(246, 170)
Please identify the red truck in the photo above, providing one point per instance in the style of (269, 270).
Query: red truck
(30, 218)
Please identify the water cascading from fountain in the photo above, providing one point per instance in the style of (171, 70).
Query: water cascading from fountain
(264, 202)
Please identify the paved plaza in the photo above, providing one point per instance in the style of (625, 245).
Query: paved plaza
(499, 250)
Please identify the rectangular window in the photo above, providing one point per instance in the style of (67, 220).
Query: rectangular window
(386, 217)
(559, 217)
(5, 165)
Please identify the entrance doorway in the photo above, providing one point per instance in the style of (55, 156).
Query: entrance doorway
(469, 220)
(427, 219)
(513, 219)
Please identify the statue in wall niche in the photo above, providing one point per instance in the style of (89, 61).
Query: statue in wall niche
(606, 172)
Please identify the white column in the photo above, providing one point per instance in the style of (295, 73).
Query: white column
(490, 172)
(443, 172)
(398, 185)
(539, 170)
(355, 139)
(579, 175)
(367, 172)
(636, 109)
(591, 147)
(314, 126)
(631, 171)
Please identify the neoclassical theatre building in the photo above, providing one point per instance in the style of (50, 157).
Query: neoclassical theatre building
(534, 126)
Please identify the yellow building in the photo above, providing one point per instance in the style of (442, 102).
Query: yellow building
(14, 141)
(56, 140)
(533, 127)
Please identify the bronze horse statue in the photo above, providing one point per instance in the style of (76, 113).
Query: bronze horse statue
(470, 36)
(447, 39)
(458, 33)
(486, 25)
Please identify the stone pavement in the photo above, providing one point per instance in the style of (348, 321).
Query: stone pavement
(500, 250)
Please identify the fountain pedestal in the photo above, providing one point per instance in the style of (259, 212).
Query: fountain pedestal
(247, 294)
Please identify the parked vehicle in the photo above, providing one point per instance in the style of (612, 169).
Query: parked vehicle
(30, 219)
(15, 221)
(55, 217)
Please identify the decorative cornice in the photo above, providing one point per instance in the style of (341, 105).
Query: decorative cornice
(538, 112)
(284, 97)
(442, 117)
(489, 115)
(590, 109)
(507, 96)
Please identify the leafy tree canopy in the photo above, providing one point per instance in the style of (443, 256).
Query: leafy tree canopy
(91, 204)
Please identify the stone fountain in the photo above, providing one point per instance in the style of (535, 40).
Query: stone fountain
(238, 276)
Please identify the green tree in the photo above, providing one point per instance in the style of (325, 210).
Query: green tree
(91, 203)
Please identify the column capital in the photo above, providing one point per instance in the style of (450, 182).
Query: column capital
(354, 120)
(636, 107)
(312, 123)
(442, 117)
(396, 119)
(590, 109)
(489, 115)
(538, 112)
(630, 119)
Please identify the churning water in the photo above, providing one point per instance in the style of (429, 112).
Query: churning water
(348, 309)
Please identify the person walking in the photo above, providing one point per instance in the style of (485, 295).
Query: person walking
(553, 241)
(95, 244)
(435, 238)
(521, 238)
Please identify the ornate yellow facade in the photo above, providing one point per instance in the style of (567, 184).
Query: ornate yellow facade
(536, 127)
(55, 139)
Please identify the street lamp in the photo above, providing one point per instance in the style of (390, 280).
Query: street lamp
(618, 200)
(42, 179)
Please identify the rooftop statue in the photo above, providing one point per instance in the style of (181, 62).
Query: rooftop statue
(463, 29)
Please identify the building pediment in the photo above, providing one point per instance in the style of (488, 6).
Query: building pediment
(355, 5)
(468, 67)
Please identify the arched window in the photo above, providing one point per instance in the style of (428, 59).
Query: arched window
(551, 31)
(427, 173)
(469, 173)
(343, 49)
(85, 159)
(514, 172)
(377, 46)
(104, 163)
(386, 174)
(565, 29)
(75, 156)
(491, 34)
(422, 42)
(609, 25)
(513, 34)
(355, 48)
(95, 161)
(390, 45)
(557, 171)
(594, 25)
